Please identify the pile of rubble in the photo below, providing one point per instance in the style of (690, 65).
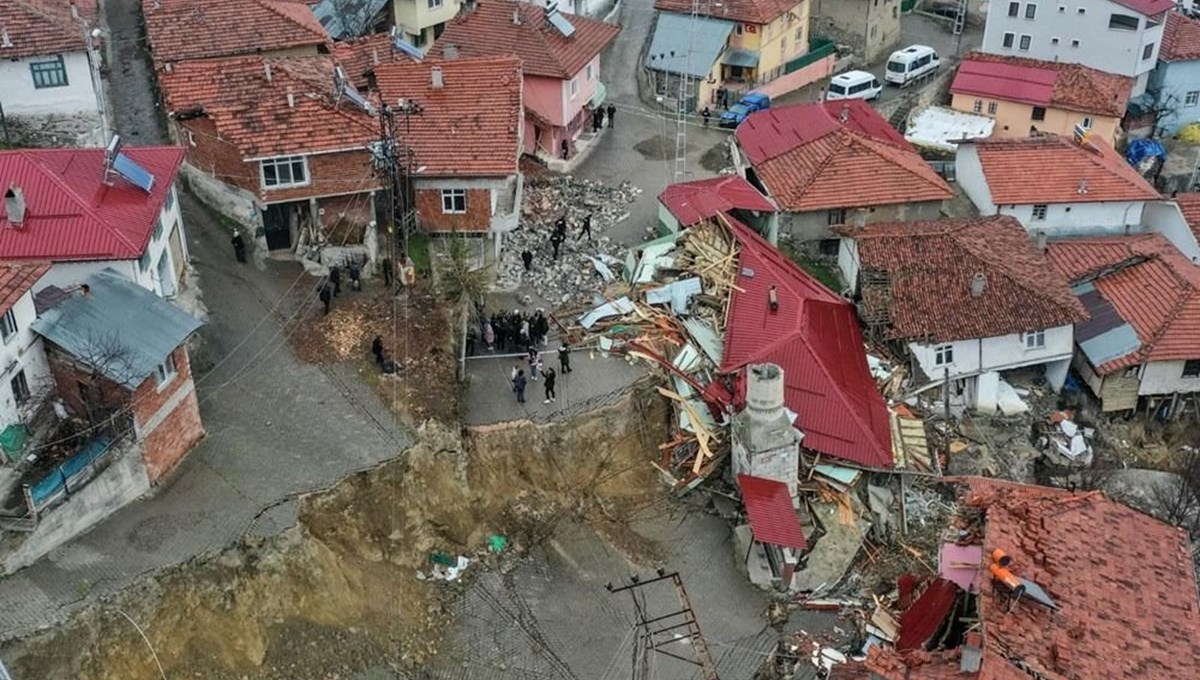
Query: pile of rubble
(584, 266)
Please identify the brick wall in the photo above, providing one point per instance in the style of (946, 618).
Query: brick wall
(70, 375)
(214, 155)
(164, 443)
(478, 216)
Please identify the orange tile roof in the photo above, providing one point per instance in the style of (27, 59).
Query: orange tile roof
(201, 29)
(44, 27)
(16, 278)
(472, 124)
(748, 11)
(1189, 205)
(489, 31)
(929, 267)
(1124, 582)
(1181, 38)
(253, 112)
(360, 55)
(1061, 168)
(1152, 286)
(1076, 87)
(842, 165)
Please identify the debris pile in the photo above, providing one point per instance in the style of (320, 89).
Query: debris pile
(1063, 438)
(584, 266)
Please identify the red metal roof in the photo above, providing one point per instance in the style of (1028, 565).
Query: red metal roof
(692, 202)
(1059, 84)
(815, 337)
(772, 517)
(16, 278)
(488, 30)
(44, 27)
(920, 622)
(71, 214)
(201, 29)
(840, 154)
(1181, 38)
(1009, 82)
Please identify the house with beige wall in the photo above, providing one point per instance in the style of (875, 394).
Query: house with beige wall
(870, 27)
(1025, 96)
(422, 21)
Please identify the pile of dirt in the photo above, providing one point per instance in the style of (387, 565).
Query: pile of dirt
(339, 593)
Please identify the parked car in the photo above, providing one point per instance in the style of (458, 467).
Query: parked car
(748, 104)
(854, 85)
(911, 63)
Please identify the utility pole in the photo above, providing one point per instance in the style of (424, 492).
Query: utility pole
(384, 161)
(655, 633)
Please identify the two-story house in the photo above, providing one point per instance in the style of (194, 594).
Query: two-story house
(181, 30)
(560, 60)
(1143, 296)
(870, 27)
(86, 210)
(1023, 95)
(967, 298)
(756, 40)
(466, 141)
(1175, 81)
(1117, 36)
(1054, 185)
(421, 22)
(830, 163)
(23, 367)
(49, 63)
(286, 140)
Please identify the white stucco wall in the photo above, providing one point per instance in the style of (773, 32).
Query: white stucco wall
(21, 98)
(969, 174)
(1081, 219)
(999, 353)
(22, 351)
(1164, 217)
(848, 265)
(1166, 377)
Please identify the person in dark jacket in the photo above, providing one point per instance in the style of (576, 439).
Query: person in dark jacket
(548, 376)
(239, 246)
(527, 258)
(326, 295)
(612, 114)
(564, 358)
(377, 349)
(355, 276)
(555, 242)
(519, 386)
(387, 272)
(335, 277)
(586, 229)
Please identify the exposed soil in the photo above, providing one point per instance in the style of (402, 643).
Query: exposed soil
(338, 593)
(657, 148)
(716, 158)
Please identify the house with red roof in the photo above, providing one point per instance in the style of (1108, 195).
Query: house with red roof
(1024, 94)
(86, 210)
(831, 163)
(1114, 36)
(48, 67)
(1092, 603)
(1139, 345)
(683, 204)
(967, 299)
(1175, 80)
(26, 376)
(560, 62)
(1083, 187)
(466, 141)
(277, 143)
(184, 30)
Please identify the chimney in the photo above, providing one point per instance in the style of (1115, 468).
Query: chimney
(845, 114)
(516, 16)
(450, 52)
(5, 41)
(85, 289)
(1041, 240)
(978, 283)
(14, 205)
(74, 11)
(1083, 189)
(773, 299)
(267, 69)
(375, 56)
(435, 74)
(764, 391)
(291, 99)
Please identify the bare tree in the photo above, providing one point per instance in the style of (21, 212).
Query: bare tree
(104, 392)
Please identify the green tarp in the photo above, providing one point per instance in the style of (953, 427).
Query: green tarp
(13, 439)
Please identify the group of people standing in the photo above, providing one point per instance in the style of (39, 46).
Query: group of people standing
(333, 282)
(548, 375)
(558, 237)
(515, 331)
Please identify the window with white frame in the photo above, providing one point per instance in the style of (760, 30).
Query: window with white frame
(49, 73)
(8, 325)
(454, 201)
(284, 171)
(590, 74)
(1148, 51)
(943, 355)
(1025, 42)
(574, 87)
(1039, 211)
(1035, 339)
(1014, 9)
(1008, 40)
(434, 4)
(1191, 98)
(20, 388)
(1086, 123)
(977, 107)
(1030, 11)
(166, 371)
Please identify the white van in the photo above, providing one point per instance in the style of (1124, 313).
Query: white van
(910, 63)
(853, 85)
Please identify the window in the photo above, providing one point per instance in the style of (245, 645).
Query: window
(1039, 211)
(590, 75)
(992, 108)
(737, 29)
(1075, 43)
(1123, 22)
(170, 202)
(977, 106)
(1014, 8)
(574, 87)
(49, 73)
(1035, 340)
(1030, 11)
(1054, 41)
(1062, 9)
(837, 216)
(1191, 368)
(1086, 123)
(454, 201)
(943, 355)
(165, 372)
(8, 326)
(1148, 51)
(1024, 45)
(1008, 40)
(20, 388)
(158, 230)
(1191, 98)
(1081, 10)
(434, 4)
(799, 35)
(1038, 113)
(285, 171)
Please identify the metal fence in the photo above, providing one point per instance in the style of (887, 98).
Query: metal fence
(71, 475)
(819, 47)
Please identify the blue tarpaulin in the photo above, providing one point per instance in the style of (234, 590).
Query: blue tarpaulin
(69, 474)
(1141, 149)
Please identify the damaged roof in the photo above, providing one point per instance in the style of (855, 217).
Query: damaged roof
(360, 56)
(1148, 283)
(772, 516)
(815, 337)
(928, 268)
(692, 202)
(839, 154)
(34, 28)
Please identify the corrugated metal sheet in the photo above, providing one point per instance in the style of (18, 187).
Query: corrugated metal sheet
(1105, 335)
(704, 335)
(772, 518)
(675, 34)
(144, 327)
(738, 56)
(921, 622)
(1009, 82)
(691, 202)
(780, 129)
